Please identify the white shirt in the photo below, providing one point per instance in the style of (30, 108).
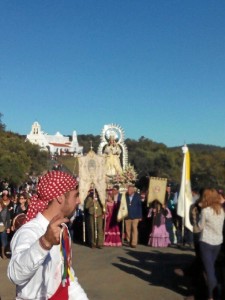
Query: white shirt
(131, 198)
(35, 271)
(211, 226)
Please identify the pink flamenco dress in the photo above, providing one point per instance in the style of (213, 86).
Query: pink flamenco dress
(159, 237)
(112, 231)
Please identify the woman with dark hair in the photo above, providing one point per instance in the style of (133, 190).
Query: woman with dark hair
(4, 227)
(211, 226)
(20, 211)
(112, 230)
(22, 206)
(159, 236)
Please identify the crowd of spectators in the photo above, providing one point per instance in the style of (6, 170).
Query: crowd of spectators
(156, 225)
(14, 204)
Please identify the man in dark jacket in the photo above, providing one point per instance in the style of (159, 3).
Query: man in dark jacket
(116, 194)
(134, 205)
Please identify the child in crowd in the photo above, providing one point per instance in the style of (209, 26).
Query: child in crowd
(159, 236)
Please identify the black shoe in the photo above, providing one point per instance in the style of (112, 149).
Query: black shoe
(100, 247)
(126, 243)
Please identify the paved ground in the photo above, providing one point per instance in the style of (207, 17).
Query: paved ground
(122, 273)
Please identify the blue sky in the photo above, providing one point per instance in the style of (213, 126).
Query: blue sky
(156, 68)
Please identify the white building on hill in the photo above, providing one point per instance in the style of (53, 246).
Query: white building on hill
(55, 144)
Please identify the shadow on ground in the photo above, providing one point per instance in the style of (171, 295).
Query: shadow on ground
(157, 268)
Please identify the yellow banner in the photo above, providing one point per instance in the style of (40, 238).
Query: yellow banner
(157, 189)
(92, 175)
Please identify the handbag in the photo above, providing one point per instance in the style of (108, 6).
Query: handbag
(18, 221)
(2, 227)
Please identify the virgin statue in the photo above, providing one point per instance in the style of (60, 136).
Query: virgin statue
(112, 152)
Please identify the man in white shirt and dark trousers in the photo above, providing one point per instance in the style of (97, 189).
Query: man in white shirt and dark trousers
(40, 265)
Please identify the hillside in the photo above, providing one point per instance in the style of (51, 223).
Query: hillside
(18, 158)
(156, 159)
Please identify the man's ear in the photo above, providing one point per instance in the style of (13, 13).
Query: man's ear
(60, 199)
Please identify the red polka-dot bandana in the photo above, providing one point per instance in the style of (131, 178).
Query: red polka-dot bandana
(51, 185)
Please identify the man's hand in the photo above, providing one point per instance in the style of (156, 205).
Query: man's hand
(52, 234)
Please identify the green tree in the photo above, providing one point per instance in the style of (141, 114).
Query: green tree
(19, 158)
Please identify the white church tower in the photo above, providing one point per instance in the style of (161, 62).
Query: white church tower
(37, 136)
(54, 143)
(75, 144)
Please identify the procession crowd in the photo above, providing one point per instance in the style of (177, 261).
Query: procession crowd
(156, 225)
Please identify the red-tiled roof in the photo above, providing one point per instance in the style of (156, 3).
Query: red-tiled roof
(59, 145)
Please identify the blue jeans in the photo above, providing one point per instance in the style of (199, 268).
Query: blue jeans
(4, 238)
(209, 255)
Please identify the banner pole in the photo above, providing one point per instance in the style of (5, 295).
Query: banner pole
(84, 232)
(105, 223)
(182, 231)
(95, 216)
(123, 231)
(183, 219)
